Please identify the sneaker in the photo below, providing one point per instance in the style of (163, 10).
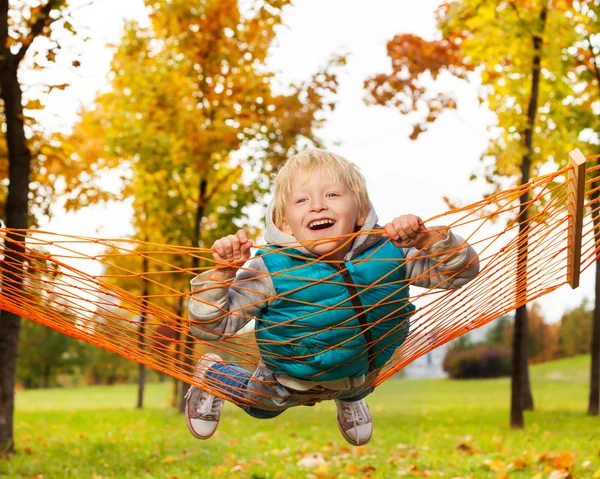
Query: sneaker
(202, 409)
(354, 421)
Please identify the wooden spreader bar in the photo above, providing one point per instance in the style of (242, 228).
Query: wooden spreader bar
(575, 208)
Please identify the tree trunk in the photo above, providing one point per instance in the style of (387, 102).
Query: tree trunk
(517, 379)
(142, 333)
(189, 346)
(526, 390)
(594, 400)
(521, 397)
(19, 169)
(46, 377)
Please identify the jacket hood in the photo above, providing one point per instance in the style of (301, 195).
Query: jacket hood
(274, 235)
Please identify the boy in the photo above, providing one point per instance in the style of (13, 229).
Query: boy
(331, 304)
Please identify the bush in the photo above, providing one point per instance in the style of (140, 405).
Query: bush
(477, 362)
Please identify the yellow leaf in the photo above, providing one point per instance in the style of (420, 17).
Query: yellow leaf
(62, 86)
(596, 474)
(495, 465)
(519, 463)
(34, 105)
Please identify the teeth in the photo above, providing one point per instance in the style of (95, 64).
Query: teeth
(320, 222)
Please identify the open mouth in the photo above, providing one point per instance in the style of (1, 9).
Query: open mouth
(320, 224)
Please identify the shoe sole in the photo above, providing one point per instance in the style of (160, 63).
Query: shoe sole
(215, 358)
(349, 439)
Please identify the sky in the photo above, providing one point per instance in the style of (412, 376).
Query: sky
(403, 176)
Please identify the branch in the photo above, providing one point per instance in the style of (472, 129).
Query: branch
(519, 17)
(37, 28)
(217, 187)
(79, 7)
(594, 62)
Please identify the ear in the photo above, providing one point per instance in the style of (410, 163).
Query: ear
(361, 220)
(286, 228)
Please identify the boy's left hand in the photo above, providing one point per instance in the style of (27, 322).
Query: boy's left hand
(408, 231)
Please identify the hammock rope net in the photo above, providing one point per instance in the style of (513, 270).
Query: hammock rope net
(131, 297)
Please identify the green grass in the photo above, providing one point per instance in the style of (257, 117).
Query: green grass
(422, 429)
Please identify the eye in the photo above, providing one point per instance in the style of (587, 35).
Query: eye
(300, 200)
(332, 195)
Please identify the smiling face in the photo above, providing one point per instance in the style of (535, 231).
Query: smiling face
(319, 207)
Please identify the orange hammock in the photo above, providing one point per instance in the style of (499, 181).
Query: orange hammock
(130, 297)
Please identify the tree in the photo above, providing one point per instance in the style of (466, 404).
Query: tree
(575, 330)
(45, 353)
(15, 41)
(500, 333)
(109, 368)
(197, 114)
(523, 82)
(585, 66)
(30, 157)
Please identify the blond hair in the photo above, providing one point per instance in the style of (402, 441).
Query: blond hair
(310, 160)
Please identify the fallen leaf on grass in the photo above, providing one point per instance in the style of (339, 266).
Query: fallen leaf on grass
(312, 460)
(596, 474)
(403, 472)
(358, 451)
(171, 459)
(466, 448)
(518, 463)
(219, 470)
(561, 461)
(415, 471)
(495, 465)
(238, 468)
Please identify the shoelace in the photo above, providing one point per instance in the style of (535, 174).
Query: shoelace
(353, 413)
(208, 405)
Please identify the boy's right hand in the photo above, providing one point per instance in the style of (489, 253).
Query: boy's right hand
(229, 253)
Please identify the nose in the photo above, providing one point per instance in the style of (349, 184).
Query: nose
(317, 205)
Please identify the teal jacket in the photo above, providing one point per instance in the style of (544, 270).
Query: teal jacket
(326, 330)
(326, 323)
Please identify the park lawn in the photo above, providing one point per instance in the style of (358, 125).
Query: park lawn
(427, 428)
